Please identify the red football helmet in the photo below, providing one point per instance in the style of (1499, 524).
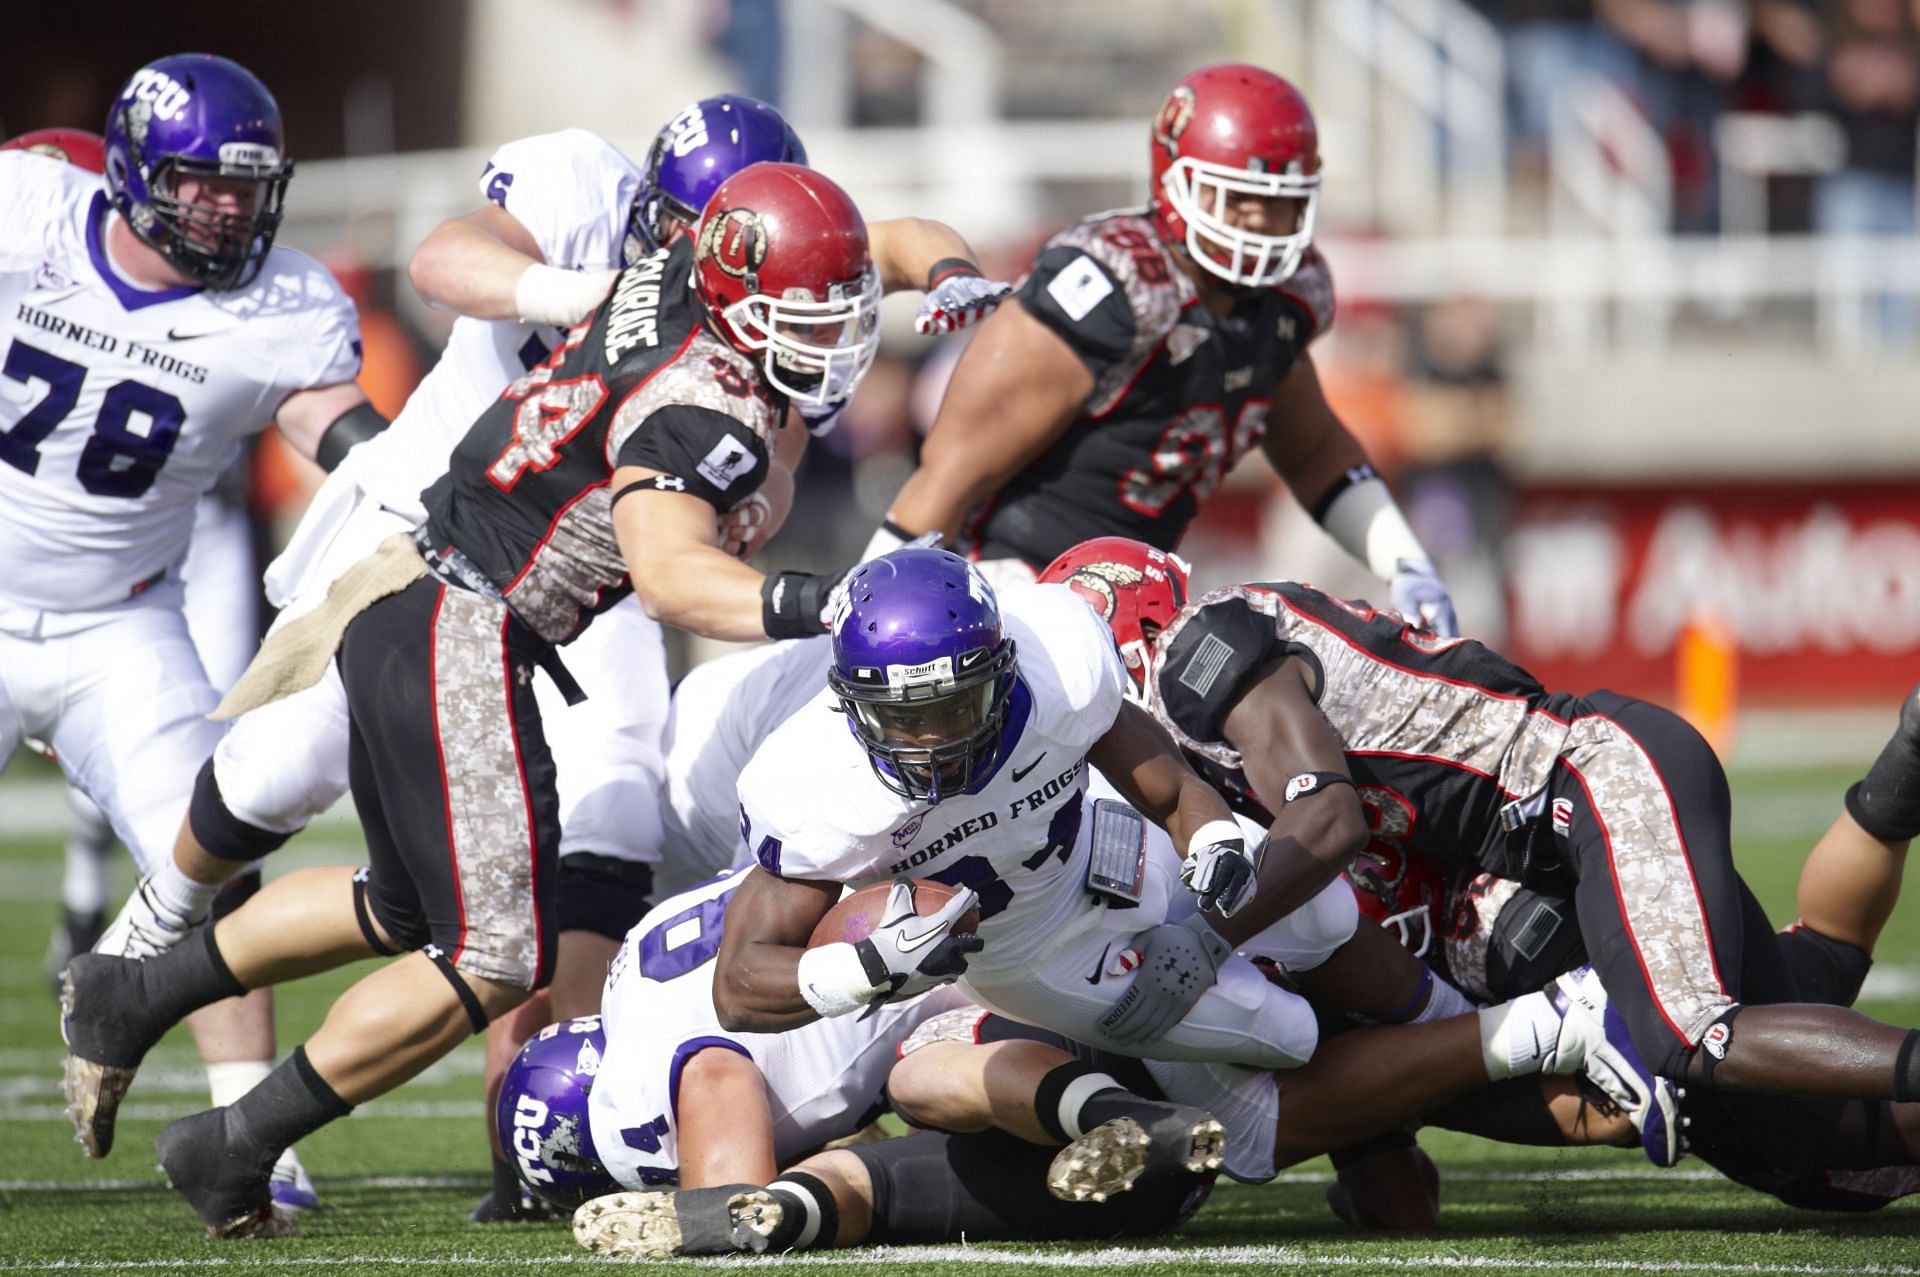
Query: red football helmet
(1226, 131)
(1401, 890)
(76, 146)
(1132, 586)
(781, 261)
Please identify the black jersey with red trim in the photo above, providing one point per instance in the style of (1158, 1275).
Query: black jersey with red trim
(642, 381)
(1180, 394)
(1440, 734)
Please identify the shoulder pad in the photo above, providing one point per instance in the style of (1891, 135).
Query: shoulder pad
(708, 374)
(1210, 652)
(1131, 250)
(1311, 288)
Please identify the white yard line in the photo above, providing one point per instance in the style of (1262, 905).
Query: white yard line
(1224, 1258)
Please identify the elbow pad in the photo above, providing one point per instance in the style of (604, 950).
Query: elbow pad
(356, 425)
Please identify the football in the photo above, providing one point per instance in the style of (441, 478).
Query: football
(855, 917)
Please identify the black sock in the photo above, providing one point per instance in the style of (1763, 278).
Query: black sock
(187, 977)
(506, 1183)
(809, 1218)
(1074, 1098)
(293, 1102)
(1887, 802)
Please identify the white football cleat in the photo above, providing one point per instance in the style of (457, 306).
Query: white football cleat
(1114, 1156)
(144, 927)
(695, 1221)
(1594, 1043)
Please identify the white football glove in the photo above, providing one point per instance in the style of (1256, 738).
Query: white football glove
(1419, 595)
(1178, 962)
(820, 422)
(959, 300)
(1220, 868)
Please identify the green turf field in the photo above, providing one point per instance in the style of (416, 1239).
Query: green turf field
(397, 1178)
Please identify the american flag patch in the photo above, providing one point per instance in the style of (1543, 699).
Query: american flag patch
(1204, 666)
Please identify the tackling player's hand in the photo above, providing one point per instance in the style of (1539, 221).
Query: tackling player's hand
(743, 529)
(1418, 594)
(1178, 963)
(907, 954)
(1220, 868)
(959, 300)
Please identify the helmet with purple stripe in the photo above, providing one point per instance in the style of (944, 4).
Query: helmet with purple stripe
(196, 163)
(923, 668)
(542, 1114)
(707, 143)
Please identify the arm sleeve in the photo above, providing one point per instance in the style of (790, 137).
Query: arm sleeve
(717, 458)
(1080, 299)
(571, 190)
(1208, 663)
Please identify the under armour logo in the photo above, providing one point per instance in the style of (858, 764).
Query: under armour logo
(522, 675)
(669, 483)
(363, 874)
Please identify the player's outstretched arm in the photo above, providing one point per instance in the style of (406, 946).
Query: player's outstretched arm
(1333, 478)
(486, 265)
(756, 977)
(1297, 762)
(672, 545)
(1141, 761)
(1016, 389)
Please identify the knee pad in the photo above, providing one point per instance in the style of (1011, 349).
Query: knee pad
(218, 830)
(283, 764)
(1312, 933)
(601, 894)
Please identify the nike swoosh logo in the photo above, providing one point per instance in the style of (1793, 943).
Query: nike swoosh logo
(907, 943)
(176, 335)
(1100, 966)
(1020, 774)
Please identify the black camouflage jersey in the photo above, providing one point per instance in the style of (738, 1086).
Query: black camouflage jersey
(1441, 734)
(640, 382)
(1180, 394)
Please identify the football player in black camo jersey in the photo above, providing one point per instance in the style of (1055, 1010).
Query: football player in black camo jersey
(1153, 348)
(1294, 702)
(604, 470)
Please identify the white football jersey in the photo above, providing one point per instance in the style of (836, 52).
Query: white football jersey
(825, 1080)
(574, 193)
(121, 406)
(721, 712)
(812, 807)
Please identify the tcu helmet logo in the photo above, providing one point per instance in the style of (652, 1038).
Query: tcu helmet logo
(1175, 114)
(736, 240)
(687, 130)
(166, 96)
(1096, 581)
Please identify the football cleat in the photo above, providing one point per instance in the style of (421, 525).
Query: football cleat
(145, 927)
(1116, 1155)
(233, 1201)
(1610, 1061)
(291, 1186)
(696, 1221)
(100, 1002)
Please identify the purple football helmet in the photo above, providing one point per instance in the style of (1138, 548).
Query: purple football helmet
(195, 115)
(707, 143)
(542, 1114)
(923, 669)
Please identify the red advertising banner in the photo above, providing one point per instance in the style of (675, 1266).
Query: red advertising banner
(1816, 587)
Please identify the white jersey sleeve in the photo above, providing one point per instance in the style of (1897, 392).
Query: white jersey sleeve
(722, 711)
(573, 191)
(30, 185)
(1077, 662)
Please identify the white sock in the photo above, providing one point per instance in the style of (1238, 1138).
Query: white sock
(1443, 1003)
(1074, 1098)
(1514, 1036)
(179, 895)
(230, 1080)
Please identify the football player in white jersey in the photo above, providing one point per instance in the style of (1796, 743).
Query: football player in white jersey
(149, 327)
(564, 211)
(969, 766)
(721, 712)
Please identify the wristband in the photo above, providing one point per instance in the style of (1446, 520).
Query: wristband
(791, 602)
(1215, 831)
(889, 537)
(947, 268)
(548, 295)
(833, 980)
